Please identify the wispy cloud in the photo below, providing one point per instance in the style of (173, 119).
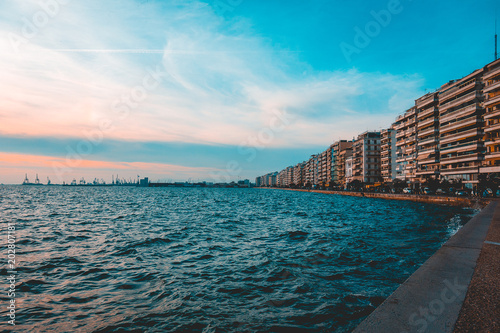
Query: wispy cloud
(223, 80)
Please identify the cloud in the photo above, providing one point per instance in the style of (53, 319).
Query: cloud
(223, 81)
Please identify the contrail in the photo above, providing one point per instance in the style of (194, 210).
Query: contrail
(153, 51)
(110, 50)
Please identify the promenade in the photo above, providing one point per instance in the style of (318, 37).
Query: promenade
(473, 202)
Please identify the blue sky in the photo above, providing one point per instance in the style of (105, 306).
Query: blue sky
(191, 89)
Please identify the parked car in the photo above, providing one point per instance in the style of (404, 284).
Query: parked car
(407, 190)
(440, 191)
(427, 190)
(462, 193)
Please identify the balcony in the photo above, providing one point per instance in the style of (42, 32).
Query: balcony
(427, 172)
(460, 136)
(491, 128)
(459, 113)
(491, 87)
(473, 145)
(422, 102)
(491, 100)
(427, 122)
(492, 155)
(429, 160)
(458, 124)
(492, 141)
(491, 74)
(459, 170)
(424, 113)
(456, 90)
(460, 100)
(426, 132)
(427, 150)
(489, 169)
(427, 141)
(492, 114)
(461, 158)
(427, 155)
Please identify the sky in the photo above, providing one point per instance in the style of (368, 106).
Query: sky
(216, 90)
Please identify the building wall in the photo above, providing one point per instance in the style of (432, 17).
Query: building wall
(491, 81)
(388, 154)
(366, 158)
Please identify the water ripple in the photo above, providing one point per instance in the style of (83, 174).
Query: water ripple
(212, 260)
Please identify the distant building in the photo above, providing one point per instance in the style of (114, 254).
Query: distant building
(144, 182)
(341, 166)
(428, 137)
(406, 145)
(388, 154)
(366, 158)
(491, 79)
(340, 151)
(349, 170)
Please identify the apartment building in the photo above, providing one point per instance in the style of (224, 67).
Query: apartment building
(311, 172)
(298, 174)
(427, 137)
(341, 165)
(366, 158)
(337, 166)
(322, 169)
(491, 90)
(388, 154)
(406, 145)
(349, 176)
(461, 128)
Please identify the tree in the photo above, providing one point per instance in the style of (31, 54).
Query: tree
(432, 184)
(398, 185)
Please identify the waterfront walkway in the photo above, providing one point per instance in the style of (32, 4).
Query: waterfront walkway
(473, 202)
(456, 290)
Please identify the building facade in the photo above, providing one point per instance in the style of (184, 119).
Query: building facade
(366, 158)
(491, 80)
(406, 145)
(427, 137)
(388, 154)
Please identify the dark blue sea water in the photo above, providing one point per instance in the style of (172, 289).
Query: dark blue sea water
(210, 260)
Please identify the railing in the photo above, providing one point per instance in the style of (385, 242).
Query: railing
(491, 100)
(450, 126)
(491, 73)
(490, 128)
(461, 158)
(461, 99)
(428, 131)
(452, 115)
(427, 100)
(460, 135)
(427, 141)
(491, 86)
(427, 122)
(470, 145)
(456, 90)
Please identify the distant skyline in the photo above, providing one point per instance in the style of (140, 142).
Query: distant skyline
(216, 90)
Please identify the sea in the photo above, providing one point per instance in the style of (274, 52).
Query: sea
(127, 259)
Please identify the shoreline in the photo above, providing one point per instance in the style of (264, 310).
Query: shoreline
(456, 289)
(476, 203)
